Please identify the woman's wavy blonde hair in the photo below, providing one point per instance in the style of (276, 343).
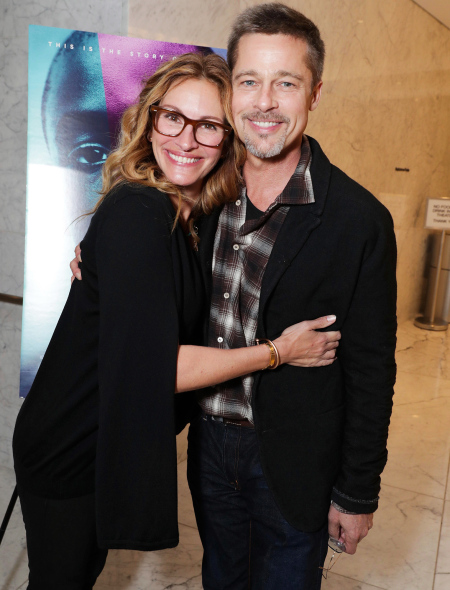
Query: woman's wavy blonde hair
(133, 159)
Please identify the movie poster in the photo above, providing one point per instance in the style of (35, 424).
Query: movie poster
(79, 84)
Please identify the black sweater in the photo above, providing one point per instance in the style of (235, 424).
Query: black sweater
(100, 413)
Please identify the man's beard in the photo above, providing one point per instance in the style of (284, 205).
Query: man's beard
(257, 148)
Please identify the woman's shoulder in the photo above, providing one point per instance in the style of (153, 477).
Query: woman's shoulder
(129, 194)
(132, 201)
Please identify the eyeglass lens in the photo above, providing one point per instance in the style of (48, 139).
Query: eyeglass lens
(205, 132)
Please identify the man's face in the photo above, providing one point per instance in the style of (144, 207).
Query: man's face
(272, 93)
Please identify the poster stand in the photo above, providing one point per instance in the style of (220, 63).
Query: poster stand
(8, 513)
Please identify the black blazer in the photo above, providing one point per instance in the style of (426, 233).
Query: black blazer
(323, 431)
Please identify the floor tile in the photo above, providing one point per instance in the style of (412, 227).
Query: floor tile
(422, 352)
(336, 582)
(419, 447)
(400, 551)
(442, 582)
(411, 388)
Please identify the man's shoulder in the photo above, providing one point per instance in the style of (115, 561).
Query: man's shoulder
(345, 193)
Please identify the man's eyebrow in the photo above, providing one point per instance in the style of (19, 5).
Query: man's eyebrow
(284, 73)
(245, 73)
(277, 74)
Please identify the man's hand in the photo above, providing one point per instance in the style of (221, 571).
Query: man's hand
(311, 348)
(348, 528)
(76, 272)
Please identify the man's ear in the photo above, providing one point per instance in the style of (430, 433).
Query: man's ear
(315, 96)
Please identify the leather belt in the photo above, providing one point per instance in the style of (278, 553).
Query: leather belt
(244, 423)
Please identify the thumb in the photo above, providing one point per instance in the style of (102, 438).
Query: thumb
(322, 322)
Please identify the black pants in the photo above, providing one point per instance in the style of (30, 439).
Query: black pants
(61, 542)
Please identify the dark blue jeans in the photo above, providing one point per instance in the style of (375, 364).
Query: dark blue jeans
(247, 543)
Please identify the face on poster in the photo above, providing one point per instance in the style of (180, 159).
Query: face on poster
(79, 85)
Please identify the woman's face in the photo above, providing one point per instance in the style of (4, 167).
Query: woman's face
(182, 159)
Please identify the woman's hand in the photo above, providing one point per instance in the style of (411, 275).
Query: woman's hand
(300, 345)
(76, 272)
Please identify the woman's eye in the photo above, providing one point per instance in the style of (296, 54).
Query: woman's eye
(172, 118)
(87, 156)
(209, 126)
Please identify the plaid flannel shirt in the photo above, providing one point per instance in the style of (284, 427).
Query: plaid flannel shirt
(241, 252)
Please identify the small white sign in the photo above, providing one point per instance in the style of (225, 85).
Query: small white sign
(438, 214)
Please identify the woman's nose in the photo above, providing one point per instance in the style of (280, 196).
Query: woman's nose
(186, 140)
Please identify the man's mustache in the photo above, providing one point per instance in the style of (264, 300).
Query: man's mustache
(259, 116)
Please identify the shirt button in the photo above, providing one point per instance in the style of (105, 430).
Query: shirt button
(238, 202)
(226, 295)
(220, 339)
(235, 247)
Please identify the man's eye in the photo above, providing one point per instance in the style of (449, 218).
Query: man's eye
(87, 156)
(286, 84)
(249, 83)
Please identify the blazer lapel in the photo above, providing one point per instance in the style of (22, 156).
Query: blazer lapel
(297, 227)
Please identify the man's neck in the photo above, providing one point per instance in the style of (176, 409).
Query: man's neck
(266, 178)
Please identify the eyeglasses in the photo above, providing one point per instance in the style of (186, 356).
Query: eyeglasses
(337, 548)
(172, 124)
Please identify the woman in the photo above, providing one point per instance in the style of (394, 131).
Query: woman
(94, 444)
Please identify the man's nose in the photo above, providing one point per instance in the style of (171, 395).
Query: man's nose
(186, 140)
(265, 99)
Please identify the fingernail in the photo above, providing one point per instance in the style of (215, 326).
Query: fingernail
(330, 318)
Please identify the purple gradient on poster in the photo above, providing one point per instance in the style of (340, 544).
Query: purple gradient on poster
(126, 63)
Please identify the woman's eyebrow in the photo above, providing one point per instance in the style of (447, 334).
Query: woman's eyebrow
(179, 111)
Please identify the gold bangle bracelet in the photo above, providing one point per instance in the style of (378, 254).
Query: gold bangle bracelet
(274, 361)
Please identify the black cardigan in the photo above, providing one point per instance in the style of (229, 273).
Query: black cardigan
(100, 413)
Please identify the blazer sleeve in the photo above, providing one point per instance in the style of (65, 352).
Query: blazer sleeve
(136, 492)
(367, 356)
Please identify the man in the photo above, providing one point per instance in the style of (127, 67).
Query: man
(269, 453)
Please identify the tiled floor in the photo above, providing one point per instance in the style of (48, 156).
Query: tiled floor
(409, 546)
